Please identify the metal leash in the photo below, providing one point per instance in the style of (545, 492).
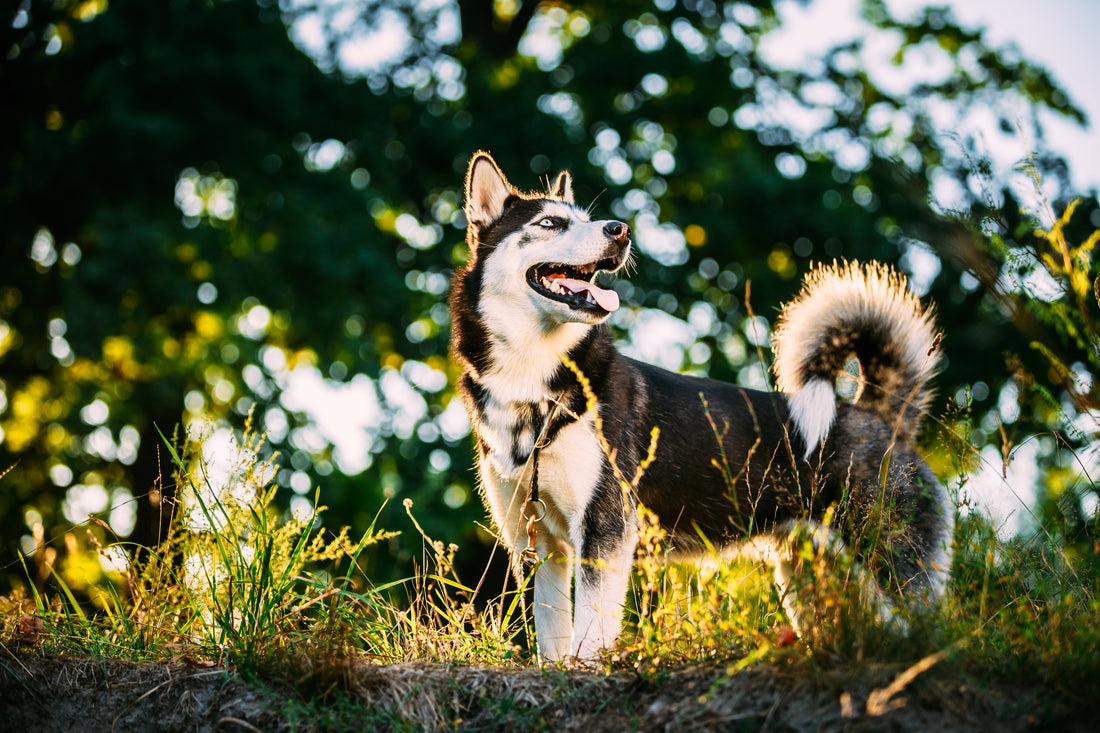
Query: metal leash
(534, 509)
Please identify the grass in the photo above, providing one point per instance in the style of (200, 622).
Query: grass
(276, 601)
(236, 583)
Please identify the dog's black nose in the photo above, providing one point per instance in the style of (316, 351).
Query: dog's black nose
(617, 231)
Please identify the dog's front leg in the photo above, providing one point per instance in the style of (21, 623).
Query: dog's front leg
(602, 580)
(553, 606)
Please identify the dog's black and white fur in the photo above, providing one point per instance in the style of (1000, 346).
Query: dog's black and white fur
(527, 297)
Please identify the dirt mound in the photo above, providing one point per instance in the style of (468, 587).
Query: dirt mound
(40, 693)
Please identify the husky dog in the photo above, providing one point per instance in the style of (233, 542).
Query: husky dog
(528, 297)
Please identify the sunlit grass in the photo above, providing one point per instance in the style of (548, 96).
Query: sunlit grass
(235, 582)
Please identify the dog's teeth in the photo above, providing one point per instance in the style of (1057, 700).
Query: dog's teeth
(552, 286)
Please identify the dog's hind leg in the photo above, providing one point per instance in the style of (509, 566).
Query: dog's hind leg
(792, 549)
(920, 549)
(776, 548)
(553, 607)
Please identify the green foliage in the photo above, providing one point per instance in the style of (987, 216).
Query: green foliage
(1052, 287)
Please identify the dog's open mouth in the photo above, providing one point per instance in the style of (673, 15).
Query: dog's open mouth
(574, 284)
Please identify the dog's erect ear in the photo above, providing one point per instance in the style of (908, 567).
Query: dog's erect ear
(563, 187)
(486, 190)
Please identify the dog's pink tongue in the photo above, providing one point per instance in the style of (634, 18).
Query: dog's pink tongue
(606, 299)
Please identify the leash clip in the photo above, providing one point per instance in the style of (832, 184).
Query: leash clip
(530, 554)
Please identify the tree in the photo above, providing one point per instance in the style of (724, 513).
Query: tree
(202, 219)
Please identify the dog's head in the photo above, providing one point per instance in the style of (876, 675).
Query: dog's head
(540, 253)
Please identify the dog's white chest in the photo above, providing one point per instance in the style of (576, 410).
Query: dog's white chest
(570, 463)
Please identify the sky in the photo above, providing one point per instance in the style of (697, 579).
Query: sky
(1059, 35)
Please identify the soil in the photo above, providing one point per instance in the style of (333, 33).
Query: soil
(43, 693)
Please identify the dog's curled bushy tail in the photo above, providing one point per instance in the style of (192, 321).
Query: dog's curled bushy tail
(866, 311)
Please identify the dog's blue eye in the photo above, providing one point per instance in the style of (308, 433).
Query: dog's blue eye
(548, 223)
